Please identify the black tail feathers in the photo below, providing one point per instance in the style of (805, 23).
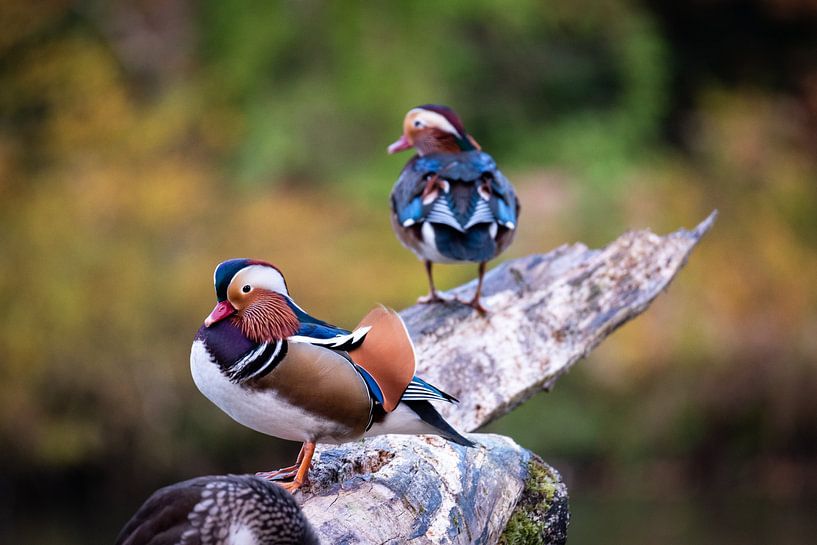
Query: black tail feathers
(429, 415)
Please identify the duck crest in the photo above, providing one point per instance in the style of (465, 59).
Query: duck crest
(447, 113)
(440, 141)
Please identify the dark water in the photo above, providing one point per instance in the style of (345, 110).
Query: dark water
(688, 521)
(631, 522)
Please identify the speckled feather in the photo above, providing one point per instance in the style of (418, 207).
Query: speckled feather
(219, 510)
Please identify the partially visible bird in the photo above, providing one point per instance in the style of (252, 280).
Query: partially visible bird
(219, 510)
(450, 204)
(274, 368)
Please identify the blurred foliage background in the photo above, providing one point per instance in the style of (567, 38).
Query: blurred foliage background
(141, 142)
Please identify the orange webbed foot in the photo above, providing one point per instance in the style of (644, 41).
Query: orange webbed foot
(279, 474)
(299, 470)
(291, 486)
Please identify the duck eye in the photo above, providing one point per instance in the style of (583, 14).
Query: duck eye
(246, 288)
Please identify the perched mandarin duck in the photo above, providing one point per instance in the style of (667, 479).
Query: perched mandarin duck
(274, 368)
(450, 204)
(219, 510)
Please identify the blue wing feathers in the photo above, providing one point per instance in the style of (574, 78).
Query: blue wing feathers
(412, 211)
(465, 166)
(462, 224)
(313, 327)
(318, 331)
(374, 389)
(504, 203)
(418, 389)
(428, 163)
(504, 213)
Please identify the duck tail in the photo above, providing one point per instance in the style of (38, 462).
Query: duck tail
(430, 416)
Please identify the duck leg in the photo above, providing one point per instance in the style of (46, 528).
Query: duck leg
(475, 302)
(284, 472)
(433, 296)
(300, 476)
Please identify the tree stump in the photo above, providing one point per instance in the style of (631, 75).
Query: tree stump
(546, 311)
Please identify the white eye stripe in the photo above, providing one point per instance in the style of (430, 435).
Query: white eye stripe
(261, 276)
(433, 119)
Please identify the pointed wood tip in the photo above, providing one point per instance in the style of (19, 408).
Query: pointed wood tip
(704, 227)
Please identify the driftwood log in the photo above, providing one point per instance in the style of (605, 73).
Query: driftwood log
(546, 312)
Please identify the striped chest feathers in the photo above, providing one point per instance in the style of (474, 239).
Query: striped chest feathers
(265, 411)
(288, 390)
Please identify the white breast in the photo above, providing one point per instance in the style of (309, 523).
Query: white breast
(429, 245)
(402, 421)
(264, 411)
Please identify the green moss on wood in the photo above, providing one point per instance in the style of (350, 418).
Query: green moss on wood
(528, 522)
(541, 481)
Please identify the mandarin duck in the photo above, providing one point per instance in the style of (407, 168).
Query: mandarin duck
(219, 510)
(450, 204)
(274, 368)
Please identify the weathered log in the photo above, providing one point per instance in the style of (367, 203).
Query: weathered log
(546, 312)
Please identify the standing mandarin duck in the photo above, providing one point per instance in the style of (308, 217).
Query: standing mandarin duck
(219, 510)
(274, 368)
(450, 204)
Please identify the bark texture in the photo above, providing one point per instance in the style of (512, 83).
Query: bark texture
(546, 312)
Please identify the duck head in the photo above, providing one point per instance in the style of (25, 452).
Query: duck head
(253, 294)
(433, 129)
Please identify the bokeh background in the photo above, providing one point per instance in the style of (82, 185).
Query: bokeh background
(141, 142)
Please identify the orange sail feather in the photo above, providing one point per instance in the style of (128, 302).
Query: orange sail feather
(387, 354)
